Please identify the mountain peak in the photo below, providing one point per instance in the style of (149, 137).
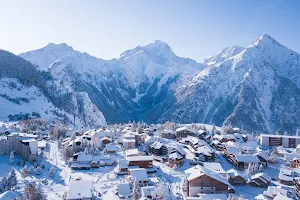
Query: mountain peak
(265, 40)
(60, 46)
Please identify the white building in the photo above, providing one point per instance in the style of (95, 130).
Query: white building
(279, 140)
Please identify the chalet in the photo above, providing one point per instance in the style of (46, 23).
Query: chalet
(80, 189)
(106, 140)
(205, 154)
(175, 159)
(235, 178)
(148, 141)
(158, 148)
(192, 141)
(147, 192)
(122, 167)
(231, 150)
(295, 163)
(124, 190)
(286, 176)
(227, 138)
(201, 133)
(141, 161)
(129, 142)
(183, 132)
(167, 134)
(9, 195)
(200, 180)
(139, 175)
(273, 191)
(106, 161)
(242, 160)
(260, 180)
(263, 158)
(110, 148)
(132, 152)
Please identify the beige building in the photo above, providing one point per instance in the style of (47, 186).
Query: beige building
(20, 143)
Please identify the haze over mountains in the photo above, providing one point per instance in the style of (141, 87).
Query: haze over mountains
(256, 88)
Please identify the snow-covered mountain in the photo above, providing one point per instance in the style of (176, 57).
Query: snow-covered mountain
(256, 88)
(25, 91)
(126, 88)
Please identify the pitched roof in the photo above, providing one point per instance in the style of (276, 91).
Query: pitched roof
(139, 174)
(200, 171)
(80, 189)
(124, 189)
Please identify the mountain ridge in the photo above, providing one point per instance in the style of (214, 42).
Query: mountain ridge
(153, 84)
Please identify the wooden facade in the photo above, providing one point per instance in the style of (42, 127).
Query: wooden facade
(205, 185)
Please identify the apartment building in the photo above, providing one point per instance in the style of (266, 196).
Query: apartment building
(23, 144)
(279, 140)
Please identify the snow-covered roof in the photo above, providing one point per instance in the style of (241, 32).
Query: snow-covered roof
(147, 190)
(198, 171)
(281, 197)
(85, 158)
(123, 164)
(80, 189)
(232, 150)
(204, 150)
(247, 158)
(139, 174)
(213, 166)
(42, 144)
(263, 155)
(183, 128)
(157, 145)
(175, 156)
(110, 147)
(124, 190)
(272, 191)
(150, 139)
(263, 175)
(140, 158)
(234, 173)
(131, 152)
(8, 195)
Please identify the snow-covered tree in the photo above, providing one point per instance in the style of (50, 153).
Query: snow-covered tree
(139, 128)
(160, 192)
(25, 171)
(32, 193)
(52, 171)
(12, 179)
(31, 169)
(3, 185)
(12, 158)
(60, 141)
(38, 170)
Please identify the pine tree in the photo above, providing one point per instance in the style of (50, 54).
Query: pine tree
(3, 185)
(38, 170)
(12, 179)
(31, 169)
(32, 193)
(12, 158)
(25, 171)
(51, 172)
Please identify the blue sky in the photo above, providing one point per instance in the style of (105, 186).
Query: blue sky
(195, 29)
